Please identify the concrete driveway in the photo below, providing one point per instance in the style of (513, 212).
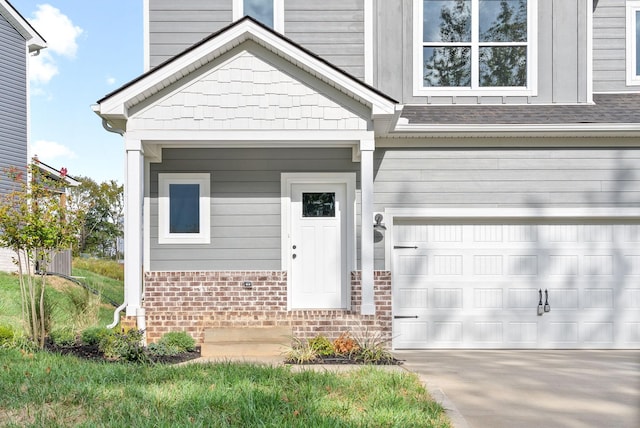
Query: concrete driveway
(495, 389)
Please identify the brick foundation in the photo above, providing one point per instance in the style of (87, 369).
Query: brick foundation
(195, 301)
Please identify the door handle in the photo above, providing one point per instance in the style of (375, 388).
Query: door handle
(540, 307)
(404, 316)
(400, 247)
(547, 306)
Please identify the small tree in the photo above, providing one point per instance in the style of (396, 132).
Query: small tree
(35, 223)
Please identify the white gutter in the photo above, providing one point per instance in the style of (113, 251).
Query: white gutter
(116, 315)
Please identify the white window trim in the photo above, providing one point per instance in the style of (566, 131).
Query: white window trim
(632, 7)
(532, 60)
(278, 13)
(164, 236)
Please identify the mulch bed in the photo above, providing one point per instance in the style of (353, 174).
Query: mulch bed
(91, 352)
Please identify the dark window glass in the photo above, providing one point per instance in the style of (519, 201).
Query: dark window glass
(447, 66)
(503, 66)
(446, 21)
(318, 205)
(184, 208)
(260, 10)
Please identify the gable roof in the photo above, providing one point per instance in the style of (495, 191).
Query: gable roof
(34, 40)
(116, 104)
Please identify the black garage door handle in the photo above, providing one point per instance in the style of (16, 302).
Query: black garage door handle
(398, 247)
(404, 316)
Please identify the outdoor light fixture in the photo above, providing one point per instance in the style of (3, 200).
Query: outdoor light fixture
(379, 225)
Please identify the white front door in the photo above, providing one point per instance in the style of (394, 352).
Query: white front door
(318, 245)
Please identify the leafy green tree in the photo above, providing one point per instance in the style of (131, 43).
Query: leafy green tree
(103, 208)
(36, 224)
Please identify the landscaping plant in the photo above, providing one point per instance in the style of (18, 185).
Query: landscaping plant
(35, 224)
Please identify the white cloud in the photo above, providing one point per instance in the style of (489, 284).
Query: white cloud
(57, 29)
(42, 68)
(47, 151)
(61, 36)
(111, 80)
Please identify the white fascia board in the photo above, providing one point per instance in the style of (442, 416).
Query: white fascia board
(249, 138)
(162, 77)
(35, 42)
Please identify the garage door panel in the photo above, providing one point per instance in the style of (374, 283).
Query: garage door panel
(478, 285)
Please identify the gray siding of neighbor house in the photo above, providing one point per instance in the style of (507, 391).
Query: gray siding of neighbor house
(176, 25)
(519, 178)
(609, 47)
(245, 204)
(13, 101)
(562, 54)
(332, 29)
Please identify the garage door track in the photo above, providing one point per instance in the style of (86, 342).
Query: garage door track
(495, 389)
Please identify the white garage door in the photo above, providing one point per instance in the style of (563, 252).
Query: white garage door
(480, 285)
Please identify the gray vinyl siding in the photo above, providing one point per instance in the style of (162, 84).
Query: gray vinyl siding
(176, 25)
(13, 101)
(609, 47)
(332, 29)
(518, 178)
(562, 54)
(245, 204)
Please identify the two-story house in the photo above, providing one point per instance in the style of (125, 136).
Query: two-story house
(449, 173)
(18, 40)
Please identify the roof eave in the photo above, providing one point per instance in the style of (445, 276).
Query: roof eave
(531, 130)
(35, 41)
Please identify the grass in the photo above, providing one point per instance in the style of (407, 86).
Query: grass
(44, 389)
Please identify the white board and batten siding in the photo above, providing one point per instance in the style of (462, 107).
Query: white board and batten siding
(332, 29)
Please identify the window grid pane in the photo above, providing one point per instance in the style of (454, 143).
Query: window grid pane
(260, 10)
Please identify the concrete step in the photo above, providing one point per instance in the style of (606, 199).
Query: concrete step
(245, 342)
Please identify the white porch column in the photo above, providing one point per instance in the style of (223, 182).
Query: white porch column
(367, 148)
(133, 193)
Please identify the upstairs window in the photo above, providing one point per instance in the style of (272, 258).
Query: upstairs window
(633, 43)
(475, 47)
(268, 12)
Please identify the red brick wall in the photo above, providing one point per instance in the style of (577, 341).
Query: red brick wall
(195, 301)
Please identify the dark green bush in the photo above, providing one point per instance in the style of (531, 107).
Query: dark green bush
(124, 347)
(163, 350)
(93, 335)
(179, 340)
(322, 346)
(63, 337)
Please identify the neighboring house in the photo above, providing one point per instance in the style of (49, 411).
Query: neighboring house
(18, 40)
(433, 170)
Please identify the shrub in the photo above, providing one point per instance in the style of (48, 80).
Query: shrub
(124, 347)
(345, 344)
(372, 349)
(85, 307)
(179, 340)
(63, 337)
(300, 352)
(93, 335)
(163, 350)
(322, 346)
(6, 336)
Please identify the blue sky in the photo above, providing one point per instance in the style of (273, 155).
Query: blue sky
(94, 47)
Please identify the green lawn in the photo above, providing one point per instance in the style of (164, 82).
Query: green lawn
(44, 389)
(108, 287)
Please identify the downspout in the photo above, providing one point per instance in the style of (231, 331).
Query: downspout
(116, 315)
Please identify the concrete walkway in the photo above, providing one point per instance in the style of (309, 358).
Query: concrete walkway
(522, 389)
